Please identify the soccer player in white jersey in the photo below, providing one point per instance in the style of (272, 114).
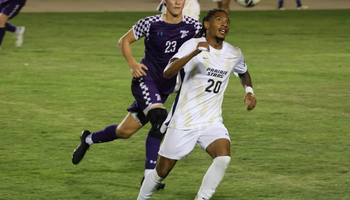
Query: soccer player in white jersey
(195, 117)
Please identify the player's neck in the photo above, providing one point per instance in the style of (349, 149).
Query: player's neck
(214, 42)
(172, 19)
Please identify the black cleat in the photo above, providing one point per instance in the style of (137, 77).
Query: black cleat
(80, 151)
(161, 185)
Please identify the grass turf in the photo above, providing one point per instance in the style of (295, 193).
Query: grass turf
(70, 75)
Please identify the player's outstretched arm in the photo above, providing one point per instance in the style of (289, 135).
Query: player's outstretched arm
(176, 64)
(137, 69)
(248, 86)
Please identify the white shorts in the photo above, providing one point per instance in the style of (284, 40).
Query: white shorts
(178, 143)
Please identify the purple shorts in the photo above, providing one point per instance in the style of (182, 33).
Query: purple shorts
(146, 96)
(11, 8)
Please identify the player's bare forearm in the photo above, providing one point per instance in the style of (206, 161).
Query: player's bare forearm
(127, 53)
(245, 79)
(248, 86)
(125, 46)
(175, 65)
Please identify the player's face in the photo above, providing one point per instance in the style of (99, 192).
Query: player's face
(219, 25)
(175, 6)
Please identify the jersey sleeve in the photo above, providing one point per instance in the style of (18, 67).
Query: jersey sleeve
(186, 48)
(197, 26)
(141, 28)
(241, 66)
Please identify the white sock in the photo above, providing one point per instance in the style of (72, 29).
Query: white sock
(149, 185)
(148, 171)
(213, 176)
(88, 139)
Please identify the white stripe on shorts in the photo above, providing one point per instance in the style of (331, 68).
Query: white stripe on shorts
(14, 11)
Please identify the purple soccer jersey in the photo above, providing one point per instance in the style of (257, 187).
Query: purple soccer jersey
(162, 41)
(11, 7)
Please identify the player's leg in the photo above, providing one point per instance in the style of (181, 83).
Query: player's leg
(150, 101)
(155, 178)
(280, 5)
(219, 2)
(216, 142)
(224, 5)
(133, 121)
(124, 130)
(3, 20)
(11, 9)
(177, 144)
(300, 6)
(156, 116)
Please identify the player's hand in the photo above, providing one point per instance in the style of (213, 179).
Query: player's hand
(252, 101)
(202, 46)
(138, 70)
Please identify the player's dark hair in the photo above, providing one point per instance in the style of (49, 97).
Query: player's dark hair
(206, 18)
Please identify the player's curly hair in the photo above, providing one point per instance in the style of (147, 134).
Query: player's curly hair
(206, 18)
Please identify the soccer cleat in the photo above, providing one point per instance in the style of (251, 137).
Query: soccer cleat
(281, 8)
(302, 7)
(161, 185)
(80, 151)
(199, 198)
(19, 35)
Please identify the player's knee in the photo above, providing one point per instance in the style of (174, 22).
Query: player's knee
(124, 133)
(2, 23)
(222, 161)
(3, 20)
(157, 116)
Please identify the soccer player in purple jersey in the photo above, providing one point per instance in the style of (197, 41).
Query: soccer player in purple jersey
(8, 10)
(164, 34)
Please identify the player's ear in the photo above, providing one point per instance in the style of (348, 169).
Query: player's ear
(206, 25)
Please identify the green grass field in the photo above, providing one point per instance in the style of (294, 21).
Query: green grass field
(69, 75)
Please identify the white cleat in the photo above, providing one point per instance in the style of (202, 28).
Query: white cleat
(199, 198)
(19, 35)
(302, 7)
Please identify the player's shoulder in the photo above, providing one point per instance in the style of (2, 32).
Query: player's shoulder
(195, 41)
(190, 20)
(150, 19)
(233, 49)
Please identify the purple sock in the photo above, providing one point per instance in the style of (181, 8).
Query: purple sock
(298, 3)
(280, 3)
(152, 148)
(10, 27)
(105, 135)
(2, 34)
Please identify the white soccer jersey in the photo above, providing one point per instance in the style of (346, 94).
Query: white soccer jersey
(203, 82)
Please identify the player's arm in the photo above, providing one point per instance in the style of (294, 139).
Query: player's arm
(137, 69)
(248, 86)
(176, 64)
